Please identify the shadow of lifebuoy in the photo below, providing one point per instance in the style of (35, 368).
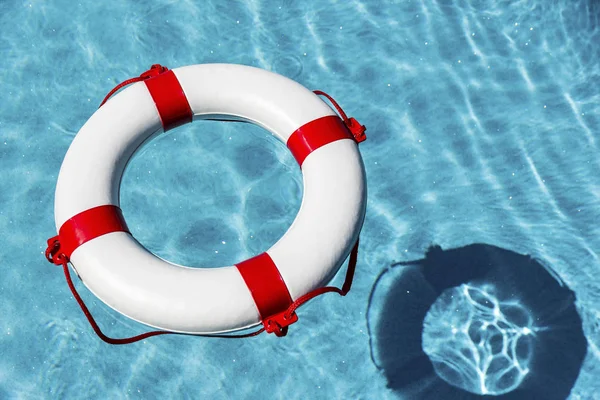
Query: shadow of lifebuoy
(414, 317)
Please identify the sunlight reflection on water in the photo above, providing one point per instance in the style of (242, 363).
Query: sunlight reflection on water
(477, 342)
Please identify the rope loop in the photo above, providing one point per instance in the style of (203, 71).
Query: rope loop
(277, 324)
(55, 256)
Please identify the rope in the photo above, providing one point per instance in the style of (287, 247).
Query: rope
(277, 324)
(357, 130)
(271, 324)
(154, 70)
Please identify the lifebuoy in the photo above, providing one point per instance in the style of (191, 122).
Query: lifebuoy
(93, 236)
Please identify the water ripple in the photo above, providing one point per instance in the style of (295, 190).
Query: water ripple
(483, 123)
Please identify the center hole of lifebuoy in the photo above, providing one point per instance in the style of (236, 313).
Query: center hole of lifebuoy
(211, 193)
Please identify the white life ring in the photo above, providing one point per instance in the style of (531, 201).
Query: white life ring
(142, 286)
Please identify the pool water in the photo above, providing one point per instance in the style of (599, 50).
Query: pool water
(478, 264)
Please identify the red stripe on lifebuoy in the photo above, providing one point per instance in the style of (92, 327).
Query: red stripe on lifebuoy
(266, 285)
(170, 100)
(88, 225)
(315, 134)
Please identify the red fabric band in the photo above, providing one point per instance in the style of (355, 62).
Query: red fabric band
(170, 100)
(268, 289)
(315, 134)
(88, 225)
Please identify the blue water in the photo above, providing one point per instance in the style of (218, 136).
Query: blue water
(483, 125)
